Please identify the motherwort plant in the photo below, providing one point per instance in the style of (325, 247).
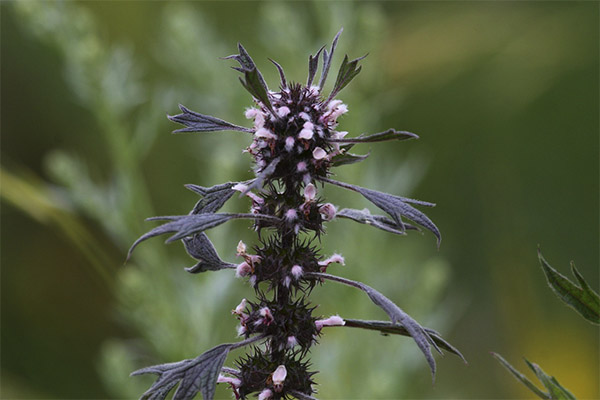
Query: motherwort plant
(294, 145)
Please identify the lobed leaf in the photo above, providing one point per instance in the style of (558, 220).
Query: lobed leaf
(348, 70)
(396, 206)
(582, 299)
(197, 122)
(390, 134)
(397, 316)
(378, 221)
(253, 80)
(327, 57)
(186, 225)
(193, 376)
(213, 198)
(197, 375)
(200, 247)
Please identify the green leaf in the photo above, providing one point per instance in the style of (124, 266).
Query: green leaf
(555, 389)
(582, 299)
(347, 158)
(520, 377)
(348, 70)
(390, 134)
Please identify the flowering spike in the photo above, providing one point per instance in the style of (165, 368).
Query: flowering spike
(294, 145)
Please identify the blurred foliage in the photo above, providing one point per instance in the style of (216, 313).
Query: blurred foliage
(503, 95)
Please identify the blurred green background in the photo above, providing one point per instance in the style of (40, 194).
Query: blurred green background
(503, 94)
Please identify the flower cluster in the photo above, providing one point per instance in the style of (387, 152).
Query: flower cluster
(295, 143)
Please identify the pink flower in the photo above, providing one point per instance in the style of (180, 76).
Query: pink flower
(283, 111)
(241, 248)
(278, 377)
(327, 211)
(310, 191)
(240, 187)
(306, 134)
(289, 143)
(287, 281)
(243, 269)
(319, 153)
(334, 320)
(264, 133)
(241, 330)
(265, 394)
(251, 113)
(235, 382)
(292, 342)
(267, 316)
(297, 271)
(301, 167)
(291, 214)
(336, 258)
(239, 310)
(304, 116)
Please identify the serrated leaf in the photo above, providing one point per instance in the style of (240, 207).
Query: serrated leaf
(347, 158)
(390, 134)
(582, 299)
(391, 328)
(555, 390)
(421, 337)
(313, 65)
(200, 247)
(327, 57)
(197, 122)
(378, 221)
(348, 70)
(193, 376)
(213, 198)
(520, 377)
(396, 206)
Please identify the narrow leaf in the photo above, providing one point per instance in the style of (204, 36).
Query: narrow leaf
(378, 221)
(327, 57)
(394, 329)
(390, 134)
(554, 388)
(397, 316)
(396, 206)
(582, 299)
(313, 64)
(281, 74)
(302, 396)
(347, 158)
(521, 378)
(197, 122)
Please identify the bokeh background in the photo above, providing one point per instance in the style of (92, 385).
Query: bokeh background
(503, 94)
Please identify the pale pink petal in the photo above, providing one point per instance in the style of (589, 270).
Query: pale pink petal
(241, 248)
(301, 167)
(310, 191)
(319, 153)
(297, 271)
(265, 394)
(243, 269)
(283, 111)
(235, 382)
(289, 143)
(327, 211)
(278, 377)
(334, 320)
(292, 342)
